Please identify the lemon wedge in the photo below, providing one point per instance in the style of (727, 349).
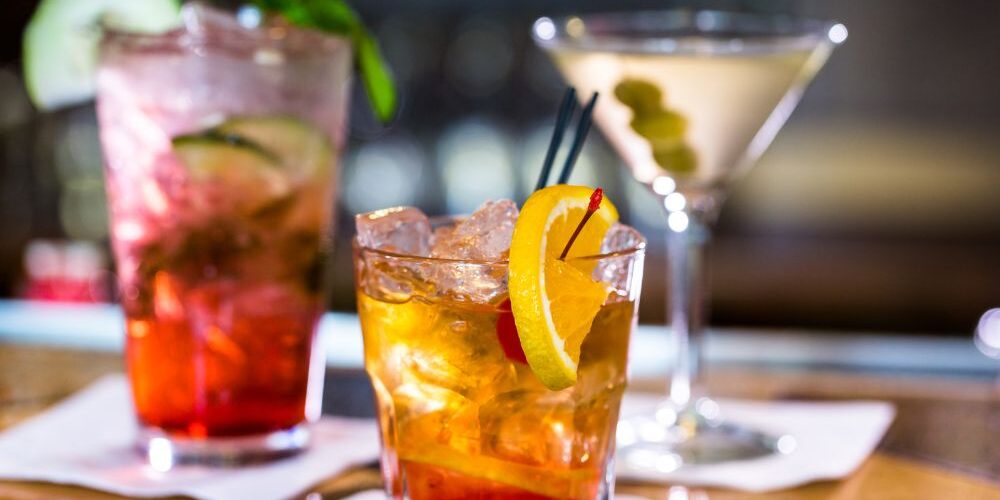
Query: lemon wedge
(554, 301)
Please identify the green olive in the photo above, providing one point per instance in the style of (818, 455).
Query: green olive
(678, 159)
(663, 125)
(663, 128)
(643, 97)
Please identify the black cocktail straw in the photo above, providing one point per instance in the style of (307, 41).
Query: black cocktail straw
(565, 113)
(582, 128)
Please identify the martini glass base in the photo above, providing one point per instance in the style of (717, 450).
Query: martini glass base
(666, 440)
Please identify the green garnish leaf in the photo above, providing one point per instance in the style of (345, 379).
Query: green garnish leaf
(335, 16)
(378, 81)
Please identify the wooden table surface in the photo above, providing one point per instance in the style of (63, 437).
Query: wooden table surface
(944, 444)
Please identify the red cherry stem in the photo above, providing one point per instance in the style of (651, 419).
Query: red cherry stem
(595, 203)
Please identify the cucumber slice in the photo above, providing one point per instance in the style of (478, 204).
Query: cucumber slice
(232, 171)
(60, 43)
(304, 151)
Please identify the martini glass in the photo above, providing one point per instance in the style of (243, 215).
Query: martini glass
(690, 100)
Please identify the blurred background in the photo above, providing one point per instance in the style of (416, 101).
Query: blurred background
(875, 209)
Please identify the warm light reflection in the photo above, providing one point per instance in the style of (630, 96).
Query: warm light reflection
(129, 230)
(680, 384)
(677, 493)
(651, 432)
(666, 416)
(837, 33)
(668, 462)
(160, 454)
(277, 32)
(268, 57)
(708, 408)
(642, 458)
(545, 29)
(786, 444)
(625, 434)
(988, 333)
(675, 202)
(248, 16)
(678, 222)
(575, 27)
(153, 195)
(682, 493)
(664, 186)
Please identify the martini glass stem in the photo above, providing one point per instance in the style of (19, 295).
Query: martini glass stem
(686, 306)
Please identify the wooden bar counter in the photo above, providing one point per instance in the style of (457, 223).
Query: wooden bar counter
(944, 443)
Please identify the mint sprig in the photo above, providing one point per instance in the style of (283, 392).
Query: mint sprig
(335, 16)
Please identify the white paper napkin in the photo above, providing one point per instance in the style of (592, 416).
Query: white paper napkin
(831, 441)
(87, 440)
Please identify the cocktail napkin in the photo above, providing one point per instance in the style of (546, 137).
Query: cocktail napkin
(830, 441)
(87, 440)
(380, 495)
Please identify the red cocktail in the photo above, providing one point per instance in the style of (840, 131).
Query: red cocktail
(221, 146)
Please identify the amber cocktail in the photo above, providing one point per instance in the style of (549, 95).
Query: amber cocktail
(462, 415)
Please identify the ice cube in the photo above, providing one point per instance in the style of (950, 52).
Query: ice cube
(426, 414)
(395, 280)
(443, 350)
(427, 408)
(471, 375)
(439, 389)
(440, 234)
(621, 237)
(485, 235)
(403, 230)
(533, 427)
(414, 399)
(212, 320)
(618, 271)
(471, 282)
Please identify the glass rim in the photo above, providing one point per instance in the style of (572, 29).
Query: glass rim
(184, 38)
(637, 249)
(732, 32)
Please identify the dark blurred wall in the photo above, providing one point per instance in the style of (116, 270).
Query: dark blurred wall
(16, 14)
(16, 178)
(875, 209)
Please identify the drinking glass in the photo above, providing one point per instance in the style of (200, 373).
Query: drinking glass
(690, 100)
(462, 417)
(221, 145)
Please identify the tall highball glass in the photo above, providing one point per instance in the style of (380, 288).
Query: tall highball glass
(221, 145)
